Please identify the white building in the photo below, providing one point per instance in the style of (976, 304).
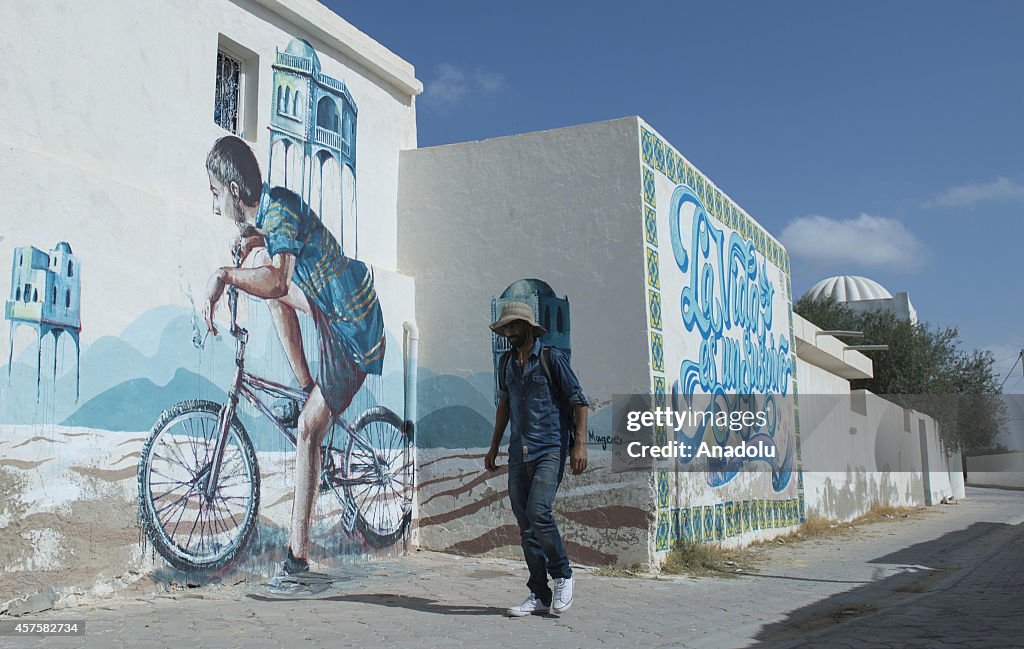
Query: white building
(862, 294)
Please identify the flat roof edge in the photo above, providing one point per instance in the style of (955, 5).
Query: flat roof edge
(335, 31)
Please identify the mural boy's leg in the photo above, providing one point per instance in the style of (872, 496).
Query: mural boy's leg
(286, 321)
(313, 424)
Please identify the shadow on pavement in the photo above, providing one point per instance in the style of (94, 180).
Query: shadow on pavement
(394, 601)
(961, 589)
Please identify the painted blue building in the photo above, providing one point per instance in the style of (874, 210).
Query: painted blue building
(46, 290)
(551, 311)
(313, 140)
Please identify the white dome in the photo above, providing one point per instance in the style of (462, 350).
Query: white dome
(848, 288)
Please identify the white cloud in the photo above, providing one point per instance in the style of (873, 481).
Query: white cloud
(489, 82)
(867, 241)
(1002, 189)
(451, 85)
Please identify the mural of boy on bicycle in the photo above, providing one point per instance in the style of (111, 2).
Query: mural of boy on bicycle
(296, 265)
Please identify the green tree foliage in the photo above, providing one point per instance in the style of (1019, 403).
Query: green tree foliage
(925, 369)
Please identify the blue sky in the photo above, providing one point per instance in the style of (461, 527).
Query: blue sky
(878, 139)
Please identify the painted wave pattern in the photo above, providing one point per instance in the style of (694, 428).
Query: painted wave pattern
(605, 518)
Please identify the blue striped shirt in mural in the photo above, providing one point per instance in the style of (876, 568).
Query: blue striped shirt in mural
(339, 288)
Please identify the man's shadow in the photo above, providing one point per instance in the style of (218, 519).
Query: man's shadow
(394, 601)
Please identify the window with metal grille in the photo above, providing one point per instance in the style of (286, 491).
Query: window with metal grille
(226, 99)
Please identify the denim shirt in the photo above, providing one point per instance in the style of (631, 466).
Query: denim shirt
(536, 425)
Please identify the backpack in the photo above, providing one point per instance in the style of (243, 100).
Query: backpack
(568, 413)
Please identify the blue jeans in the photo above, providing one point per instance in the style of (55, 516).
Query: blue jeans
(531, 488)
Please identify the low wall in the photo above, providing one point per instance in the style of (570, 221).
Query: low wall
(859, 449)
(1003, 470)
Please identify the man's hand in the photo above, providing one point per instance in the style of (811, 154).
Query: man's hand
(578, 457)
(491, 459)
(243, 245)
(214, 291)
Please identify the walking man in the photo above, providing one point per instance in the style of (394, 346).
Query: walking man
(539, 394)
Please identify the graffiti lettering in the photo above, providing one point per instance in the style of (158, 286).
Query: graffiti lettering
(729, 301)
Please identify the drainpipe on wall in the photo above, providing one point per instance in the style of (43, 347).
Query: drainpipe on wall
(412, 344)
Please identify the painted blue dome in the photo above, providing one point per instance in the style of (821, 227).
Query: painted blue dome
(528, 288)
(301, 47)
(63, 246)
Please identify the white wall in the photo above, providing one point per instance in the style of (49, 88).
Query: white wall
(561, 206)
(853, 460)
(557, 205)
(1004, 470)
(108, 118)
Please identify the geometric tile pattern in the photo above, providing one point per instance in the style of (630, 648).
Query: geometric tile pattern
(663, 541)
(669, 525)
(653, 273)
(651, 226)
(655, 309)
(657, 352)
(649, 187)
(708, 523)
(662, 488)
(702, 524)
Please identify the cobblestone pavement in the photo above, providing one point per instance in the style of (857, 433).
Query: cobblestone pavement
(952, 577)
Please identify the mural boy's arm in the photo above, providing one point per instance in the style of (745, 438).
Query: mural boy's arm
(500, 423)
(268, 282)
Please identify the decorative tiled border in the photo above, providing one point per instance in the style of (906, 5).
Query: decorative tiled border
(718, 522)
(709, 522)
(664, 537)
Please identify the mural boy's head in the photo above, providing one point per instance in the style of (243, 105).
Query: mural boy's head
(235, 178)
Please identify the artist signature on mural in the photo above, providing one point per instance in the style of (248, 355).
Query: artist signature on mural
(603, 440)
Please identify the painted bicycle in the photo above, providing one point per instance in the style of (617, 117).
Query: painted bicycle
(199, 480)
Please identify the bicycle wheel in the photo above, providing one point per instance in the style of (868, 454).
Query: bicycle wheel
(188, 530)
(378, 475)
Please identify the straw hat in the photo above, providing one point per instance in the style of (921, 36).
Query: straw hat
(517, 311)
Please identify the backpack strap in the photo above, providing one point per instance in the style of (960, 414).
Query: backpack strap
(502, 366)
(561, 400)
(545, 366)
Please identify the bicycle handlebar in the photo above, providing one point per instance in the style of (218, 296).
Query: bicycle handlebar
(235, 330)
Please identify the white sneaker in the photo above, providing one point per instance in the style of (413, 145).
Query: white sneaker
(529, 607)
(562, 599)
